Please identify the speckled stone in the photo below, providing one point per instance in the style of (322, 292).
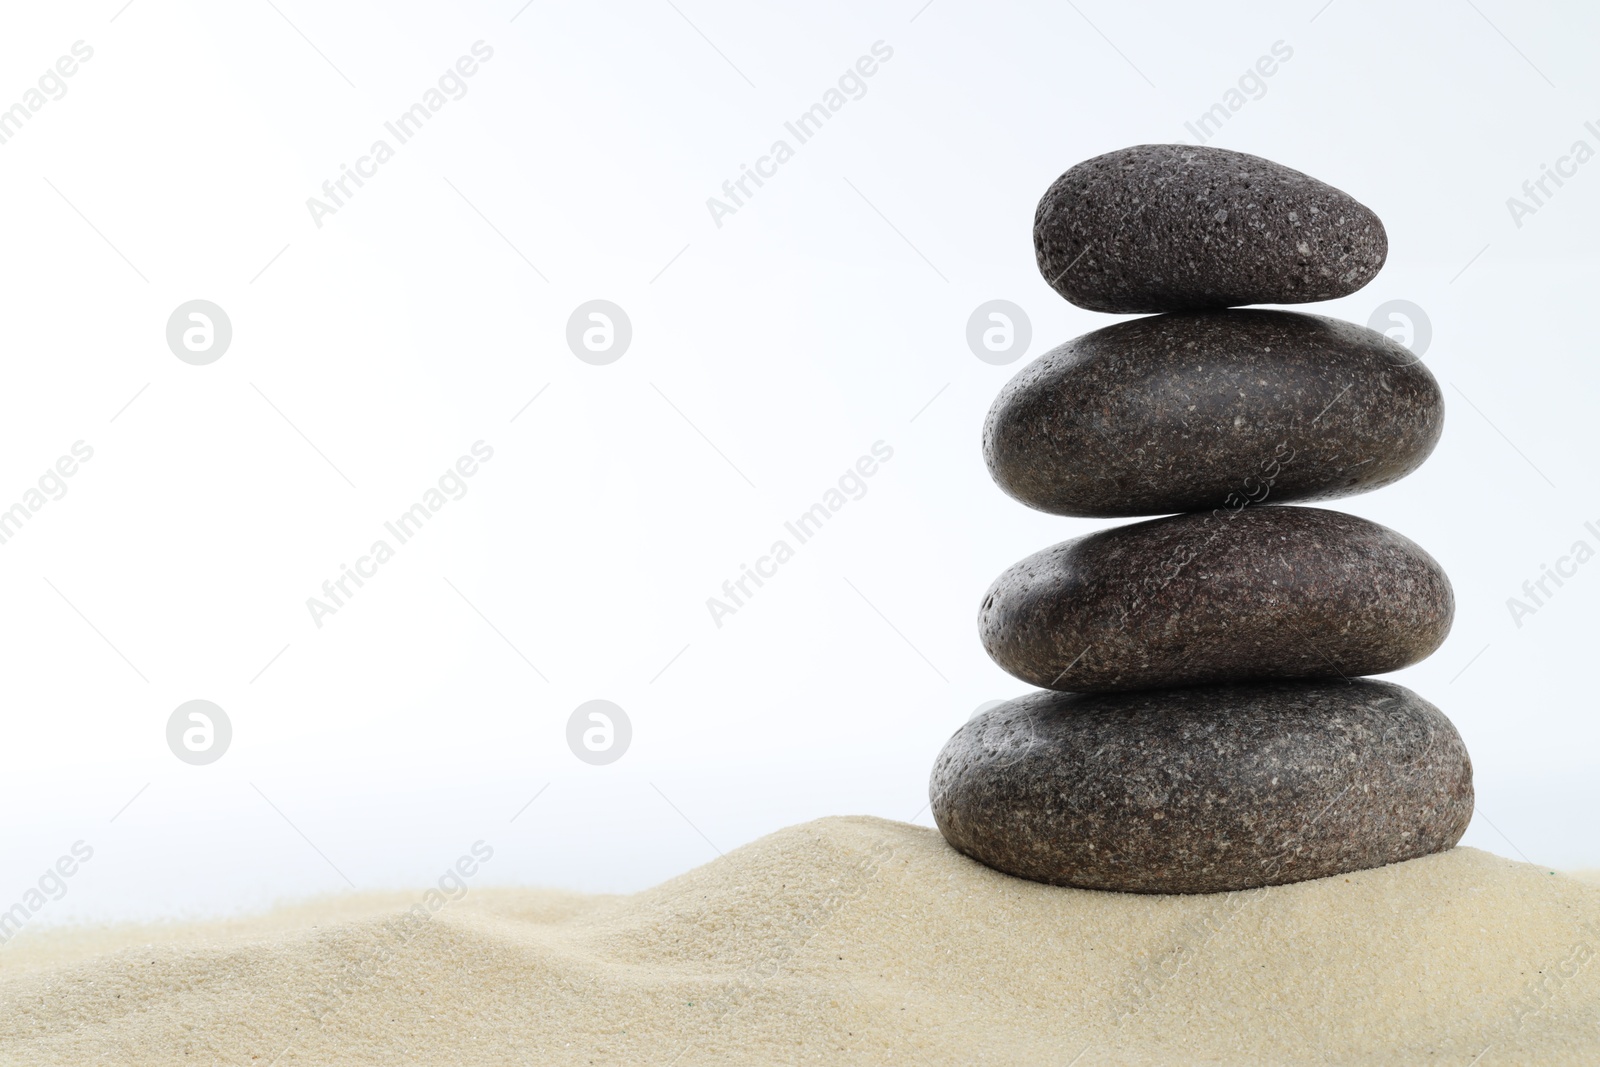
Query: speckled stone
(1205, 789)
(1258, 593)
(1174, 227)
(1198, 410)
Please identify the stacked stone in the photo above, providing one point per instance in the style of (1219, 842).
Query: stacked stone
(1205, 724)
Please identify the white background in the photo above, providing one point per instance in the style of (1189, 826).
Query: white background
(823, 316)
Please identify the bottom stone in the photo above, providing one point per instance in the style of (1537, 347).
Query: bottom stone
(1205, 789)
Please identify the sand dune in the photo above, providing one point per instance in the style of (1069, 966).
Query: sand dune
(846, 941)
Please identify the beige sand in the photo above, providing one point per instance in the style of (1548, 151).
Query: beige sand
(847, 941)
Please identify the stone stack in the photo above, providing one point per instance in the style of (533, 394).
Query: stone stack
(1204, 723)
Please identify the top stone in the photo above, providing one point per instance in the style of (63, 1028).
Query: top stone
(1178, 228)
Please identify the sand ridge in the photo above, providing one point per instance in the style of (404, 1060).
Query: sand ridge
(846, 941)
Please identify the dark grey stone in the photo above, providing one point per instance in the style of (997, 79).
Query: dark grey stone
(1199, 410)
(1279, 592)
(1173, 227)
(1205, 789)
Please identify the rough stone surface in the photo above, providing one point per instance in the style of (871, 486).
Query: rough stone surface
(1205, 789)
(1198, 410)
(1257, 593)
(1176, 227)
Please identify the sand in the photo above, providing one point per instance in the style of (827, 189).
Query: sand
(846, 941)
